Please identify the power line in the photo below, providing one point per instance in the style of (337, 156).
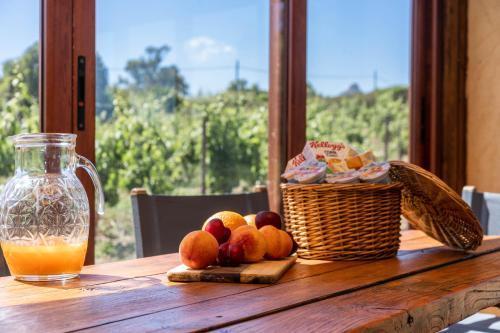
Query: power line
(374, 76)
(214, 68)
(338, 77)
(187, 69)
(255, 69)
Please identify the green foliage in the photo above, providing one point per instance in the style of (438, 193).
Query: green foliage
(151, 77)
(236, 140)
(377, 121)
(140, 147)
(115, 232)
(135, 148)
(18, 104)
(24, 68)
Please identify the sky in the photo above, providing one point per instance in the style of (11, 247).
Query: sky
(347, 41)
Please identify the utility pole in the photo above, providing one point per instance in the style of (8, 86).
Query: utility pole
(387, 118)
(204, 154)
(387, 136)
(237, 73)
(236, 84)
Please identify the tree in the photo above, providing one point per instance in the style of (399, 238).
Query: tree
(147, 72)
(25, 68)
(103, 103)
(151, 77)
(18, 103)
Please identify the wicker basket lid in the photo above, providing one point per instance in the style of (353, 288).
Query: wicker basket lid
(433, 207)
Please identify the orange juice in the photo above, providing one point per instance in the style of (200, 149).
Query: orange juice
(50, 259)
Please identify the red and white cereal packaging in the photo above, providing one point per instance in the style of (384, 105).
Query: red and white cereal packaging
(318, 149)
(375, 173)
(335, 163)
(309, 172)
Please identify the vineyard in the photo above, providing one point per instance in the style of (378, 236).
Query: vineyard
(151, 133)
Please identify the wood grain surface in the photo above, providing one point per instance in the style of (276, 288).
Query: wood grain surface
(136, 296)
(427, 302)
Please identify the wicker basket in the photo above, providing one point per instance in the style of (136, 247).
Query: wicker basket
(344, 222)
(433, 207)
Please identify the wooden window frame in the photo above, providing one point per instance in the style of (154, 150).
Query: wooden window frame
(287, 89)
(437, 88)
(68, 31)
(438, 105)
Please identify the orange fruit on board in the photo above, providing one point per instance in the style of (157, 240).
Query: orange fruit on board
(198, 249)
(231, 220)
(279, 243)
(252, 241)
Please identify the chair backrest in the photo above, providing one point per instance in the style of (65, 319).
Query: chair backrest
(486, 206)
(161, 221)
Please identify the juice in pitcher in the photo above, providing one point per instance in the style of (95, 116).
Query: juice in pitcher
(56, 258)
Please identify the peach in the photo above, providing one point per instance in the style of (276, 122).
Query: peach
(279, 244)
(252, 241)
(199, 249)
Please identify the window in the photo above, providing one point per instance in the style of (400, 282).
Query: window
(364, 42)
(358, 74)
(181, 103)
(18, 76)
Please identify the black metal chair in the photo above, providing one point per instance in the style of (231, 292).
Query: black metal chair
(486, 206)
(161, 221)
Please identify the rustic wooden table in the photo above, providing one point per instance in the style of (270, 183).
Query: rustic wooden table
(426, 288)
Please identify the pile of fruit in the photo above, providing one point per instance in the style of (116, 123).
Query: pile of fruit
(229, 239)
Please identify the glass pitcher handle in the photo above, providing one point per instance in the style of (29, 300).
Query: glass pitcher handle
(92, 171)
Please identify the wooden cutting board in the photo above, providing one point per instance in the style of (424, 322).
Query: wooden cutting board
(267, 271)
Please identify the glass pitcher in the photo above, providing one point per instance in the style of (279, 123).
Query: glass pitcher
(44, 210)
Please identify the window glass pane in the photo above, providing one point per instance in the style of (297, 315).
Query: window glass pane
(357, 73)
(181, 103)
(18, 75)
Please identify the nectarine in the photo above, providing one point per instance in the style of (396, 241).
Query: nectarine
(267, 218)
(230, 254)
(218, 230)
(252, 241)
(279, 244)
